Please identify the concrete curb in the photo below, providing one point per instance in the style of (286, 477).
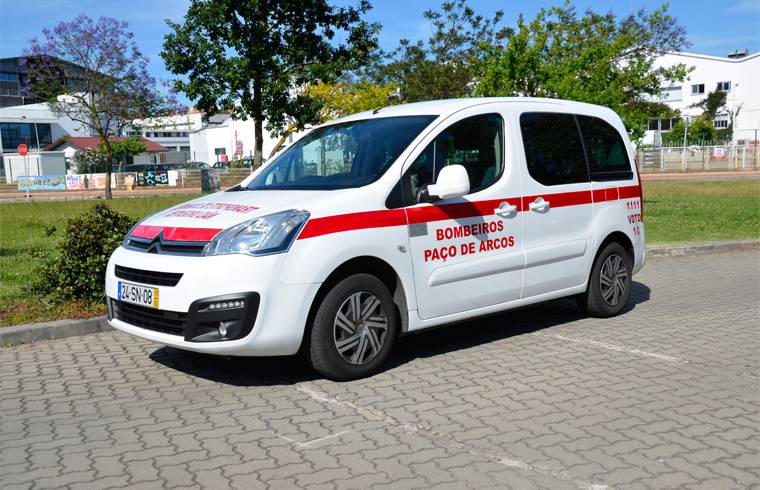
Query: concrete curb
(34, 332)
(59, 329)
(702, 248)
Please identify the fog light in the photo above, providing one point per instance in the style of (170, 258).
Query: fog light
(224, 327)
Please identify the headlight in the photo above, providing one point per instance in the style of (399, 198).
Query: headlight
(260, 236)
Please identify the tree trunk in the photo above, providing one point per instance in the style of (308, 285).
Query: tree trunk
(259, 143)
(106, 145)
(258, 124)
(108, 183)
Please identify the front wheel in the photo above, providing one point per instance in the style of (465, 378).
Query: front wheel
(354, 329)
(609, 286)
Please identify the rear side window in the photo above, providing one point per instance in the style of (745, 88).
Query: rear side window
(553, 148)
(608, 158)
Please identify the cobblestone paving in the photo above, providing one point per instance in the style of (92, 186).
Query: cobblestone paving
(666, 395)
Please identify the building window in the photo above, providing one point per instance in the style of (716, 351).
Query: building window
(721, 123)
(220, 151)
(724, 86)
(8, 77)
(670, 94)
(698, 89)
(660, 124)
(13, 134)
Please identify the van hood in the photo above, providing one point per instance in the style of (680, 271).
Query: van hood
(213, 213)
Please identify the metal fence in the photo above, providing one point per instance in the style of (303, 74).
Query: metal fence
(699, 158)
(122, 183)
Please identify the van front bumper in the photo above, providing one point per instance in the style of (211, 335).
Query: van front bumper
(262, 316)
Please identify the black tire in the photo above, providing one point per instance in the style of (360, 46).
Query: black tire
(326, 333)
(598, 300)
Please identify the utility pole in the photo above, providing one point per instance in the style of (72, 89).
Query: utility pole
(686, 121)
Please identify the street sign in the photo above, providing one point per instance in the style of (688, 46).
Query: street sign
(23, 149)
(239, 147)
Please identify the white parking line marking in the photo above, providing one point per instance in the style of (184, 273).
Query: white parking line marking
(618, 348)
(447, 440)
(312, 442)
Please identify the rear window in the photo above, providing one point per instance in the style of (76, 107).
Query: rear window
(608, 158)
(553, 148)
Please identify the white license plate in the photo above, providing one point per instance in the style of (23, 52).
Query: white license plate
(139, 295)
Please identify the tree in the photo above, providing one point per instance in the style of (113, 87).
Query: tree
(701, 131)
(591, 58)
(252, 57)
(712, 104)
(127, 147)
(442, 67)
(111, 87)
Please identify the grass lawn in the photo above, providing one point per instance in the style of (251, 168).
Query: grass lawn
(674, 212)
(22, 234)
(707, 211)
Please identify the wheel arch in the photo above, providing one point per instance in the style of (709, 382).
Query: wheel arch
(621, 238)
(365, 264)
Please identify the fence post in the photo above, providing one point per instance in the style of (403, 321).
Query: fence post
(662, 159)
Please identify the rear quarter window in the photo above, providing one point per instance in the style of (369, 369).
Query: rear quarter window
(607, 153)
(553, 148)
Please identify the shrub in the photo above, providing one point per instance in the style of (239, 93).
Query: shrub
(78, 268)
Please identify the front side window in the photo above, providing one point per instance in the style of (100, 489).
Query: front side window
(553, 148)
(724, 86)
(475, 143)
(607, 154)
(341, 156)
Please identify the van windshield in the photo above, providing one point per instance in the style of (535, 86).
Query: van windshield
(341, 156)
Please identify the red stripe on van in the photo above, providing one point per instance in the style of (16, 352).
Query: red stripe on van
(425, 214)
(629, 192)
(190, 234)
(144, 231)
(353, 221)
(172, 233)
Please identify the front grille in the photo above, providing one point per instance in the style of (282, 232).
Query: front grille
(165, 247)
(170, 322)
(148, 277)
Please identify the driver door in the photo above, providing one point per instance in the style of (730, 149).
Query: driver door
(466, 251)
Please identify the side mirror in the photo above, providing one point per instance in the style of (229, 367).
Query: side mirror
(453, 181)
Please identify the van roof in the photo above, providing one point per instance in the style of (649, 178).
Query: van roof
(450, 106)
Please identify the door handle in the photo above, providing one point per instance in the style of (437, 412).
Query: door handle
(539, 205)
(505, 209)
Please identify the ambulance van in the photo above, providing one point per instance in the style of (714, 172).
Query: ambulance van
(389, 222)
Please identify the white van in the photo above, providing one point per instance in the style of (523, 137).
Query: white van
(388, 222)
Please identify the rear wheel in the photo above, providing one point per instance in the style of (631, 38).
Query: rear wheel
(609, 286)
(354, 329)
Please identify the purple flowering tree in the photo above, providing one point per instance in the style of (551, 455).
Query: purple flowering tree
(93, 73)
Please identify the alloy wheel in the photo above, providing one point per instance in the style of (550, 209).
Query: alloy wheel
(360, 328)
(613, 277)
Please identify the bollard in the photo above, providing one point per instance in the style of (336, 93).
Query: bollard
(210, 180)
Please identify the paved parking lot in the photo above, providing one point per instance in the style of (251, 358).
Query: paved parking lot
(666, 395)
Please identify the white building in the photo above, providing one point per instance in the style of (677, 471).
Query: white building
(229, 140)
(738, 75)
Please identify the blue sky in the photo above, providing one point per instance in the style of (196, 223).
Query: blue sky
(713, 26)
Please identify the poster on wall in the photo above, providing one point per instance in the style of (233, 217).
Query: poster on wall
(41, 182)
(151, 178)
(172, 175)
(88, 181)
(74, 182)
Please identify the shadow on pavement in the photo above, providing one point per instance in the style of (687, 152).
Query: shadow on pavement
(268, 371)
